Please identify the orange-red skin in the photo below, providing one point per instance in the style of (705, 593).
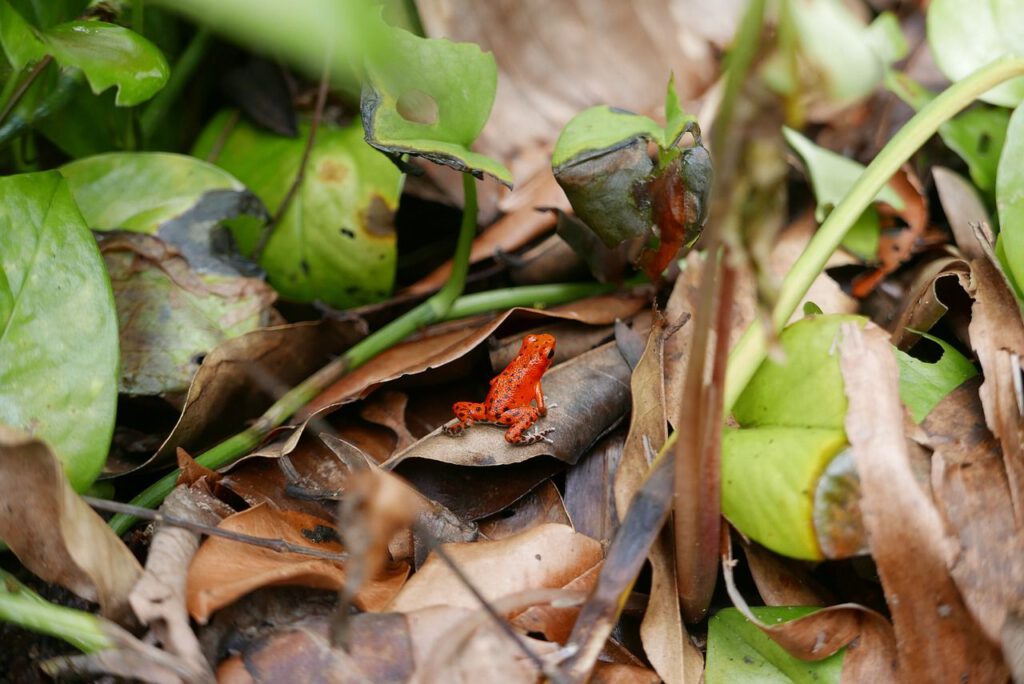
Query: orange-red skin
(512, 392)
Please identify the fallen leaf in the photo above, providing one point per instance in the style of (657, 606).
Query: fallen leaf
(923, 301)
(971, 491)
(387, 408)
(240, 378)
(997, 337)
(158, 598)
(963, 208)
(590, 488)
(540, 506)
(223, 569)
(54, 533)
(781, 581)
(161, 297)
(546, 556)
(926, 606)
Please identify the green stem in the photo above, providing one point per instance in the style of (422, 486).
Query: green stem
(156, 111)
(752, 348)
(430, 311)
(21, 606)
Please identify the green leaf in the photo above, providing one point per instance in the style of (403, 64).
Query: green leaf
(431, 98)
(740, 653)
(601, 129)
(676, 120)
(965, 36)
(1010, 201)
(49, 93)
(769, 479)
(58, 328)
(805, 388)
(977, 135)
(848, 57)
(107, 54)
(336, 241)
(832, 175)
(923, 385)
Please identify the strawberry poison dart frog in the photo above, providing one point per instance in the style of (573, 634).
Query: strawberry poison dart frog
(509, 400)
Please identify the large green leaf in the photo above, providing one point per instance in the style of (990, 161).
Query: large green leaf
(601, 129)
(769, 479)
(965, 36)
(740, 653)
(832, 175)
(431, 98)
(336, 241)
(923, 385)
(58, 328)
(805, 387)
(107, 54)
(1010, 201)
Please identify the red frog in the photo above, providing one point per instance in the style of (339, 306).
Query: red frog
(512, 391)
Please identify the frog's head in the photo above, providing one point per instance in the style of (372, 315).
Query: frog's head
(540, 346)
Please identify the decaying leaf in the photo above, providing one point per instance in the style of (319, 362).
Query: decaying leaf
(54, 533)
(927, 608)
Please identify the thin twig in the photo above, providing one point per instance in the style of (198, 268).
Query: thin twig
(278, 545)
(300, 174)
(23, 88)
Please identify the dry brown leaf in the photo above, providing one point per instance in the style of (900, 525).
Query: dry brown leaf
(542, 505)
(782, 581)
(923, 305)
(997, 337)
(618, 673)
(971, 491)
(590, 488)
(591, 394)
(54, 533)
(546, 556)
(158, 598)
(240, 378)
(432, 351)
(387, 408)
(963, 209)
(662, 632)
(223, 569)
(911, 556)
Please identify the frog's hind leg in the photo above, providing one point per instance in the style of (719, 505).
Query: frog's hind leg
(521, 419)
(466, 413)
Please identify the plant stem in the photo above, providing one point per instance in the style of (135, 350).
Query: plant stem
(21, 606)
(752, 348)
(156, 111)
(22, 88)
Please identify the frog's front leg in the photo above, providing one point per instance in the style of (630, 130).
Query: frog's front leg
(521, 419)
(466, 413)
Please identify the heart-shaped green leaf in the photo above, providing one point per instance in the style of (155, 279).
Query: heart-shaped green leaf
(431, 98)
(107, 54)
(965, 36)
(740, 653)
(336, 241)
(58, 327)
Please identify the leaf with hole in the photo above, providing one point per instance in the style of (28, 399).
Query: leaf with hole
(923, 385)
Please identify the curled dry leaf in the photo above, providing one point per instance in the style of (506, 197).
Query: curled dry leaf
(781, 581)
(969, 482)
(223, 569)
(923, 301)
(911, 557)
(997, 337)
(54, 533)
(241, 377)
(158, 598)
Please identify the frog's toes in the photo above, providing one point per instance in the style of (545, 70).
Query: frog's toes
(454, 428)
(537, 435)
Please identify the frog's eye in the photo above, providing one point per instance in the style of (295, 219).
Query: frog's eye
(551, 353)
